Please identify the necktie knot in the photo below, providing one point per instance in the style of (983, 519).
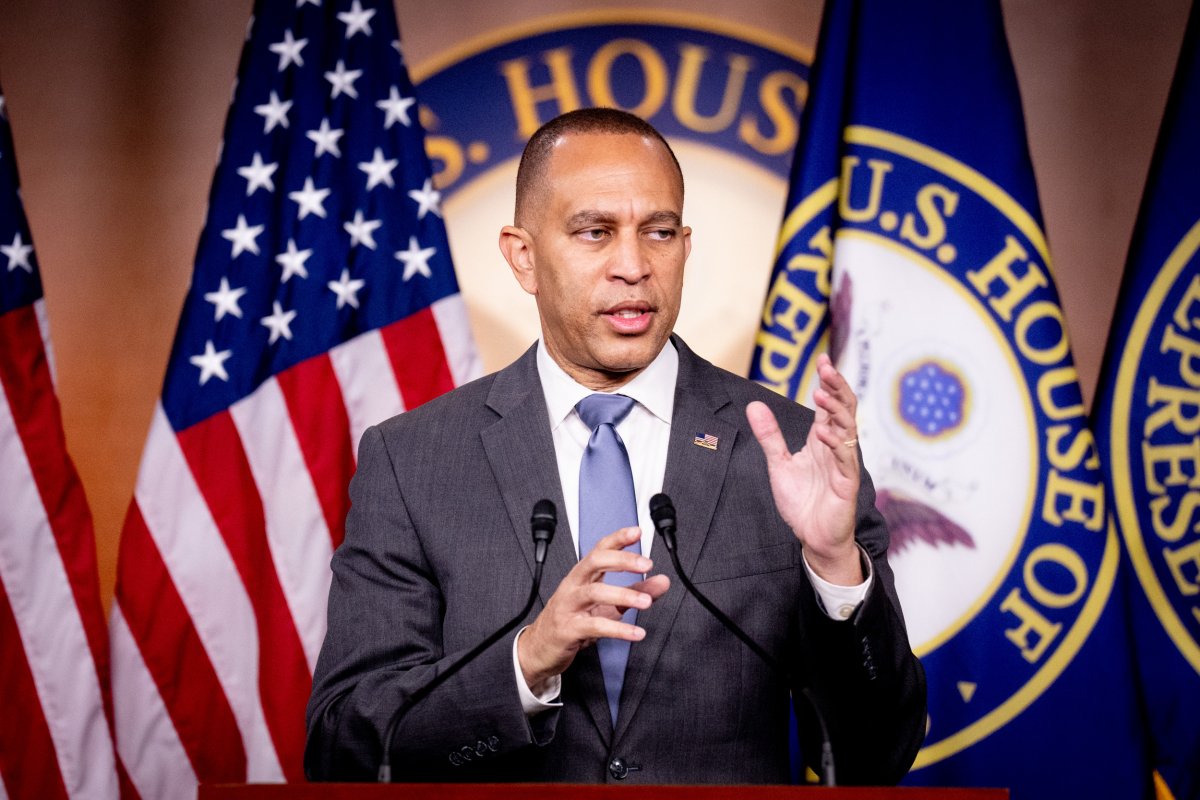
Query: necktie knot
(604, 409)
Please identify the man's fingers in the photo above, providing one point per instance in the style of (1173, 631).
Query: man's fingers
(595, 564)
(601, 594)
(655, 586)
(837, 428)
(837, 413)
(835, 405)
(836, 384)
(551, 642)
(845, 451)
(619, 539)
(609, 555)
(605, 628)
(766, 430)
(583, 608)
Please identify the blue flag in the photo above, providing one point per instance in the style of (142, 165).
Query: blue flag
(912, 250)
(1147, 419)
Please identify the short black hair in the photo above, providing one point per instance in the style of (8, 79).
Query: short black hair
(611, 121)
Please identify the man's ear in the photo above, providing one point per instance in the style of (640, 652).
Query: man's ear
(517, 246)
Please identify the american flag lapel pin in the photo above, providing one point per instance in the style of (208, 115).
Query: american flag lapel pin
(705, 440)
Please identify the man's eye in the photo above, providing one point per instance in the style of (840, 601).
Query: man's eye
(593, 234)
(662, 234)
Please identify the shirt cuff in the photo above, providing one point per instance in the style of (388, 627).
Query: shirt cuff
(838, 602)
(542, 701)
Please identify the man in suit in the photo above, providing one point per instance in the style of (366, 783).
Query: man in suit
(776, 524)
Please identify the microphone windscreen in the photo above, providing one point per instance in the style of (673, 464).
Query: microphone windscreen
(662, 510)
(545, 515)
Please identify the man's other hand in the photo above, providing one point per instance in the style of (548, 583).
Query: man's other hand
(583, 608)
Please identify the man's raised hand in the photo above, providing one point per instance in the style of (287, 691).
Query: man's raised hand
(816, 488)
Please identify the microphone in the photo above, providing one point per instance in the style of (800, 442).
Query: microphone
(662, 512)
(543, 522)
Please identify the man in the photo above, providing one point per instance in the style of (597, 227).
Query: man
(437, 552)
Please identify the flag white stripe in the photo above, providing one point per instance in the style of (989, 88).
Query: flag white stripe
(296, 531)
(208, 583)
(368, 383)
(150, 749)
(56, 646)
(43, 321)
(455, 329)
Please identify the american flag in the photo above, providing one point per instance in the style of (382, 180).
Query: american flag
(706, 440)
(323, 301)
(56, 724)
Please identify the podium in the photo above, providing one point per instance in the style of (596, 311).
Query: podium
(567, 791)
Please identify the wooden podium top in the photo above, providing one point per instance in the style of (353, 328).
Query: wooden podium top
(566, 791)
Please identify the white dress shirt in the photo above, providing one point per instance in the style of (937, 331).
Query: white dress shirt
(646, 433)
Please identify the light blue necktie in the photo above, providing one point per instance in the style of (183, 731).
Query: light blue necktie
(606, 504)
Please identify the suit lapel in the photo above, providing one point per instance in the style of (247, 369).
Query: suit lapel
(694, 478)
(520, 451)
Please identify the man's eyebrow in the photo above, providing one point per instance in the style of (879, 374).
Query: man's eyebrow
(594, 217)
(589, 217)
(664, 218)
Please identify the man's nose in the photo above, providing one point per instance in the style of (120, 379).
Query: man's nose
(629, 262)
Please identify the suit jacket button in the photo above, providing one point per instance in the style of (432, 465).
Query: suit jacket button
(618, 768)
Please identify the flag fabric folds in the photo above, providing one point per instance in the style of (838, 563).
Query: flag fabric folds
(1147, 419)
(323, 300)
(56, 728)
(912, 249)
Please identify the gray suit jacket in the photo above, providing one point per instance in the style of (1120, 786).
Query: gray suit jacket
(438, 555)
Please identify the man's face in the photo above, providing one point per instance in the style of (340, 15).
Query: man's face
(602, 250)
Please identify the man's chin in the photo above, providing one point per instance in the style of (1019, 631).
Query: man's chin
(627, 362)
(614, 361)
(635, 352)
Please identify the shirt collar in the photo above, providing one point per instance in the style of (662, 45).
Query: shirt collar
(653, 388)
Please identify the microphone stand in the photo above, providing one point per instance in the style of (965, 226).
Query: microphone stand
(543, 522)
(662, 512)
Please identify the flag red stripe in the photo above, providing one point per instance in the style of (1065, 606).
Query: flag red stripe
(127, 790)
(25, 375)
(214, 452)
(414, 346)
(175, 657)
(318, 412)
(28, 760)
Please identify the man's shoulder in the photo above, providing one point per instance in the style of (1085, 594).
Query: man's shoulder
(446, 413)
(471, 406)
(741, 391)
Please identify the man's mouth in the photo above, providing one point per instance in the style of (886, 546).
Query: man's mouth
(629, 318)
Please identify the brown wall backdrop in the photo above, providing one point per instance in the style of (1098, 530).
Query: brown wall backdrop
(117, 108)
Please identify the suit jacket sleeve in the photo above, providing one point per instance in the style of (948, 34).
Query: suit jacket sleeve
(863, 674)
(385, 640)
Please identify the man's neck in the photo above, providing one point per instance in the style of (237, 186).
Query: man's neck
(652, 387)
(596, 380)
